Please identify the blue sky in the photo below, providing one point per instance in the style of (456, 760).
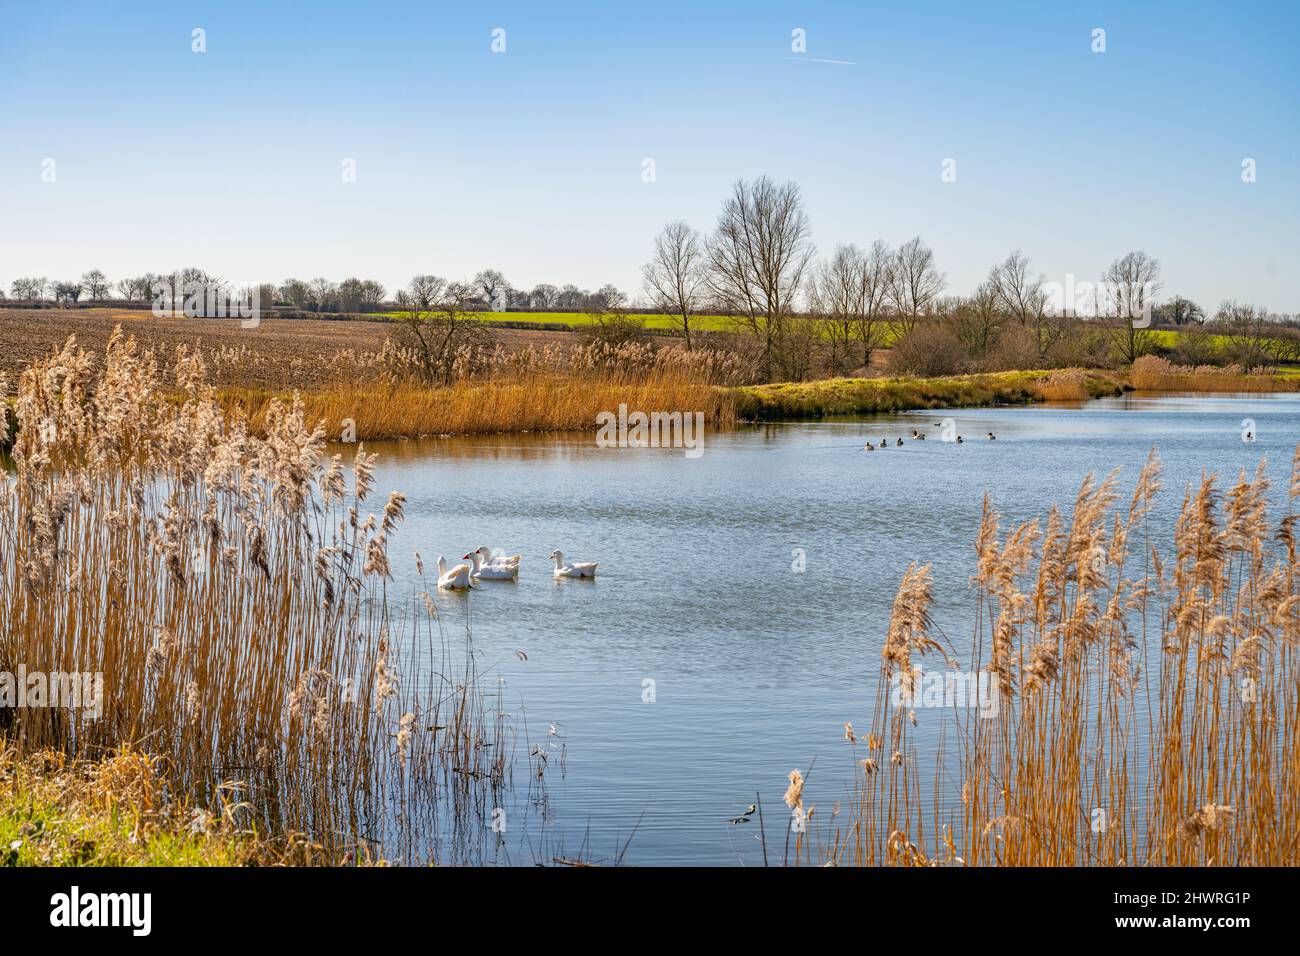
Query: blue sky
(530, 160)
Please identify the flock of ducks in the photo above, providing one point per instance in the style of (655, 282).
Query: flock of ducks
(916, 436)
(485, 566)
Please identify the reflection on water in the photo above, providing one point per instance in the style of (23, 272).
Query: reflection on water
(699, 667)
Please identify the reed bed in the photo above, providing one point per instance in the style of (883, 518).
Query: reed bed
(232, 591)
(537, 402)
(491, 389)
(1155, 373)
(1149, 696)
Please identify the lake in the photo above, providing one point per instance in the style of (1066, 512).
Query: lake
(755, 666)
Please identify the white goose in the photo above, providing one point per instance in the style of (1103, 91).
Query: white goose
(575, 570)
(500, 560)
(491, 572)
(456, 579)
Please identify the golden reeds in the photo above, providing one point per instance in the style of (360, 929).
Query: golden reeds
(232, 592)
(1150, 705)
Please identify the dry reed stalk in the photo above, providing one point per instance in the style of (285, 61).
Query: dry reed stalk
(1100, 753)
(233, 595)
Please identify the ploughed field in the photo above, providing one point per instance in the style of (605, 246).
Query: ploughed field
(279, 353)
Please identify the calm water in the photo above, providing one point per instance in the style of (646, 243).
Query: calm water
(755, 667)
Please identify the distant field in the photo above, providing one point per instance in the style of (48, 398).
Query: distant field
(707, 323)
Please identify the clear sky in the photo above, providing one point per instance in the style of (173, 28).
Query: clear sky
(531, 160)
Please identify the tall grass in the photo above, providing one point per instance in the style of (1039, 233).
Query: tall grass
(232, 590)
(379, 395)
(1150, 699)
(536, 402)
(1155, 373)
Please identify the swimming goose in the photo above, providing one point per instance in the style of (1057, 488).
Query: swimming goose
(575, 570)
(491, 572)
(899, 443)
(499, 560)
(455, 579)
(992, 437)
(958, 439)
(869, 447)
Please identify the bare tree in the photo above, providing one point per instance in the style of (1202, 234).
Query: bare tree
(296, 292)
(1179, 311)
(1131, 283)
(96, 285)
(424, 290)
(324, 294)
(977, 320)
(757, 259)
(676, 278)
(31, 287)
(1022, 296)
(67, 292)
(835, 298)
(875, 279)
(1246, 331)
(543, 296)
(372, 295)
(436, 322)
(914, 284)
(491, 284)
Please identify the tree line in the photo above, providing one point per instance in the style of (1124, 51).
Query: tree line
(797, 313)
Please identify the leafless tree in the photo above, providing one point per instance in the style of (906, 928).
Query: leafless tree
(1246, 331)
(1131, 283)
(835, 297)
(676, 277)
(424, 290)
(491, 284)
(874, 278)
(1179, 311)
(1022, 296)
(914, 284)
(436, 322)
(324, 294)
(757, 259)
(96, 285)
(977, 319)
(543, 296)
(295, 292)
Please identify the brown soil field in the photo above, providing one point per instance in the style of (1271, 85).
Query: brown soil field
(280, 353)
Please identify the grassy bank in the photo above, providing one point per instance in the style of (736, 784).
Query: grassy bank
(55, 811)
(863, 396)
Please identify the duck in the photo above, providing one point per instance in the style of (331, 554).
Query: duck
(899, 443)
(574, 570)
(498, 561)
(490, 572)
(992, 437)
(455, 579)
